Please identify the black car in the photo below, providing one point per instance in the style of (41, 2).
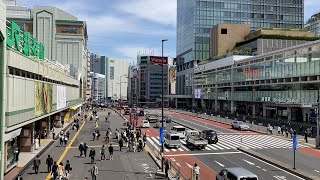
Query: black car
(210, 135)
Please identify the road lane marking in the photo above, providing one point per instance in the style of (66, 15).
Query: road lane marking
(317, 171)
(258, 167)
(251, 163)
(172, 159)
(264, 170)
(178, 164)
(219, 164)
(204, 154)
(69, 145)
(189, 165)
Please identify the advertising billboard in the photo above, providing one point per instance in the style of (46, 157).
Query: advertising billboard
(158, 60)
(43, 98)
(197, 93)
(61, 97)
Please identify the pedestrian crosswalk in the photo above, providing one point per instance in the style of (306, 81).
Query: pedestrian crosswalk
(232, 141)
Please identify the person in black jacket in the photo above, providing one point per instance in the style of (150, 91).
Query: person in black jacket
(92, 154)
(49, 163)
(54, 170)
(67, 168)
(85, 149)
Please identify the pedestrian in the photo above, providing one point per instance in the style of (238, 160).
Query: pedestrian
(16, 154)
(68, 168)
(53, 131)
(62, 122)
(61, 137)
(92, 155)
(60, 170)
(271, 129)
(102, 152)
(65, 140)
(85, 149)
(111, 152)
(93, 136)
(279, 129)
(81, 149)
(68, 135)
(54, 170)
(144, 139)
(36, 164)
(77, 126)
(291, 132)
(98, 135)
(19, 177)
(94, 172)
(282, 129)
(196, 171)
(287, 133)
(49, 163)
(167, 167)
(120, 143)
(306, 136)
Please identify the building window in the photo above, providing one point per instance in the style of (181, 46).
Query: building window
(112, 73)
(224, 31)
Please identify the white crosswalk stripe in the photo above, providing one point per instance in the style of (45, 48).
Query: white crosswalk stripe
(233, 141)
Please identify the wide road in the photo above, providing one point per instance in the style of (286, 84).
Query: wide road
(126, 165)
(223, 154)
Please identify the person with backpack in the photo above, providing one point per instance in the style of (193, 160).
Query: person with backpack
(65, 140)
(67, 168)
(61, 137)
(54, 171)
(49, 163)
(81, 149)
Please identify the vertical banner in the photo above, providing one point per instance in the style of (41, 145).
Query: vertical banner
(161, 131)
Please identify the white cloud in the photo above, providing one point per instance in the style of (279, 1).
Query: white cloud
(159, 11)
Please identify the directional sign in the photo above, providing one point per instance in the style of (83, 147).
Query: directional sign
(161, 131)
(294, 142)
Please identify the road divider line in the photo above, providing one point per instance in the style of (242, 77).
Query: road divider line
(220, 164)
(251, 163)
(69, 145)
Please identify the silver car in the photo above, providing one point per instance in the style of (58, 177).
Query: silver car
(236, 173)
(240, 125)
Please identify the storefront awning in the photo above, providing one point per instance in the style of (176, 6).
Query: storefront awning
(76, 107)
(12, 134)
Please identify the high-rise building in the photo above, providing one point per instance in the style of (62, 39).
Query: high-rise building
(313, 23)
(98, 86)
(196, 18)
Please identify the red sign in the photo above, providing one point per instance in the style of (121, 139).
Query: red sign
(158, 60)
(251, 72)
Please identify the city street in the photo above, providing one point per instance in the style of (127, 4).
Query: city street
(224, 154)
(126, 165)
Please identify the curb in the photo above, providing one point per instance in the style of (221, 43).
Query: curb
(278, 164)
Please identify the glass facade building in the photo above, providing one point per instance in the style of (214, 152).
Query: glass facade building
(195, 18)
(281, 84)
(313, 24)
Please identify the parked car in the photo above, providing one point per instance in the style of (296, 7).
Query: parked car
(236, 173)
(240, 125)
(210, 135)
(145, 124)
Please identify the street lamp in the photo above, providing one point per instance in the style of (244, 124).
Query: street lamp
(162, 92)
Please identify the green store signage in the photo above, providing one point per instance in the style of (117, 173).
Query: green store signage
(30, 47)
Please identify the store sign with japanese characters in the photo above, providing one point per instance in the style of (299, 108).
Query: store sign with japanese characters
(23, 42)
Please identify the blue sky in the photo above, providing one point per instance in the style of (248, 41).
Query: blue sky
(122, 28)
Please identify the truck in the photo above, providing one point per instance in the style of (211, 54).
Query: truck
(195, 141)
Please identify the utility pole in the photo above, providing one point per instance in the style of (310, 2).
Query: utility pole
(162, 92)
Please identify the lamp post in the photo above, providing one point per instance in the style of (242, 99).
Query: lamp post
(162, 92)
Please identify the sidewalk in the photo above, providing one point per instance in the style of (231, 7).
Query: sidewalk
(26, 158)
(259, 127)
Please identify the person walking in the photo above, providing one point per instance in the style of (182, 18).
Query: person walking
(287, 133)
(102, 152)
(94, 134)
(54, 170)
(65, 140)
(144, 139)
(306, 136)
(85, 149)
(68, 135)
(49, 163)
(60, 170)
(19, 177)
(67, 168)
(61, 137)
(53, 131)
(291, 132)
(279, 129)
(81, 149)
(36, 164)
(111, 151)
(94, 172)
(196, 171)
(98, 135)
(167, 167)
(120, 143)
(92, 155)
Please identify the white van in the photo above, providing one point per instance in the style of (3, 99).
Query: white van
(236, 173)
(172, 139)
(180, 130)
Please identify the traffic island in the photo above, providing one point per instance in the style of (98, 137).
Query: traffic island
(278, 164)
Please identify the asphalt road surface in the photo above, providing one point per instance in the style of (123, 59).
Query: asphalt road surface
(126, 165)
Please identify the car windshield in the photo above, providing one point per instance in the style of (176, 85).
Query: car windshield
(180, 129)
(145, 121)
(175, 137)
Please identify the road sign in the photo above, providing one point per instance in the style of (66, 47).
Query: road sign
(294, 142)
(161, 131)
